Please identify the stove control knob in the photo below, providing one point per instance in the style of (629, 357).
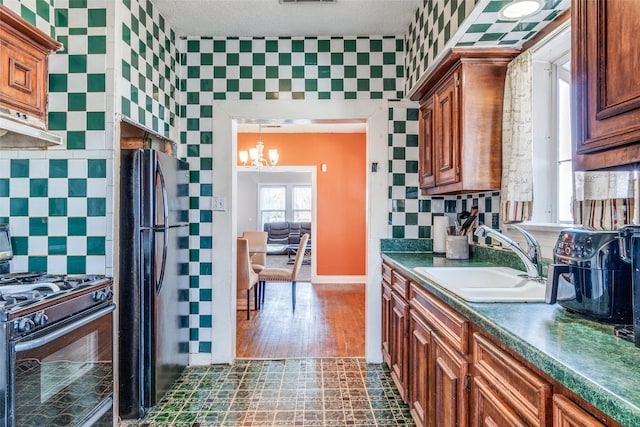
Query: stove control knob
(40, 319)
(25, 325)
(100, 296)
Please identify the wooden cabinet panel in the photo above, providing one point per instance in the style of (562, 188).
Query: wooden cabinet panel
(450, 324)
(526, 393)
(425, 147)
(419, 368)
(400, 285)
(568, 414)
(398, 344)
(490, 410)
(386, 321)
(605, 87)
(446, 131)
(24, 54)
(451, 376)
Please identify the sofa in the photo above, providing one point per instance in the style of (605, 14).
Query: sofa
(285, 233)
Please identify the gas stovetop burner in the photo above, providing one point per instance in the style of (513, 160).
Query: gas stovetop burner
(18, 277)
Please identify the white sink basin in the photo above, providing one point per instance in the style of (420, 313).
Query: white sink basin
(486, 284)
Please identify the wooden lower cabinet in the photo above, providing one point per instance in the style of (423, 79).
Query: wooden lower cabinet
(450, 390)
(526, 395)
(452, 373)
(568, 414)
(419, 369)
(490, 409)
(398, 348)
(386, 321)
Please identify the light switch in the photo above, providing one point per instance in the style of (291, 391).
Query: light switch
(324, 167)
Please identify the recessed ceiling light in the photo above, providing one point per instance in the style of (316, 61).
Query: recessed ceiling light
(519, 9)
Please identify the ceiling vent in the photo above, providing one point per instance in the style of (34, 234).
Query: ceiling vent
(306, 1)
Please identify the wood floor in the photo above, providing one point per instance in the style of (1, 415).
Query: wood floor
(329, 321)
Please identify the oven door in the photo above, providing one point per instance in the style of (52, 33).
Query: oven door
(62, 375)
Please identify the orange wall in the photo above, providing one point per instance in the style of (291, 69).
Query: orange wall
(340, 242)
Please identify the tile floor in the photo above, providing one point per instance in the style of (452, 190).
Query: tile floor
(289, 392)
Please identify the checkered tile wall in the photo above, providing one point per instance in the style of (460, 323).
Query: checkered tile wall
(440, 24)
(410, 213)
(37, 12)
(148, 77)
(59, 202)
(435, 23)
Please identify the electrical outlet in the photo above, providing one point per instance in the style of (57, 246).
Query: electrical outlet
(219, 203)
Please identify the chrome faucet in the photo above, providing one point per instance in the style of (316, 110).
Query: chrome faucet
(532, 259)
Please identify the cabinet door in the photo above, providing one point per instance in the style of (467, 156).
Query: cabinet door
(605, 84)
(386, 321)
(420, 368)
(568, 414)
(490, 410)
(425, 144)
(398, 344)
(447, 131)
(22, 77)
(450, 393)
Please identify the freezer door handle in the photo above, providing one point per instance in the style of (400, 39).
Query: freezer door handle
(165, 226)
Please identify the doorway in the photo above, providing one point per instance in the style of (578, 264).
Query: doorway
(225, 123)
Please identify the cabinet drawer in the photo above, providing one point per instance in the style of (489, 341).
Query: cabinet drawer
(451, 325)
(386, 273)
(568, 414)
(523, 390)
(490, 410)
(400, 285)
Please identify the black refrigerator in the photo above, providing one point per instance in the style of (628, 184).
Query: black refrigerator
(153, 277)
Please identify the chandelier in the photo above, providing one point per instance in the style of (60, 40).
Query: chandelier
(255, 156)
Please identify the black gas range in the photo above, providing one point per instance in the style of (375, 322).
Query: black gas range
(56, 333)
(35, 300)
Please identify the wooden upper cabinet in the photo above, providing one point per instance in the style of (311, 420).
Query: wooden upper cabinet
(425, 146)
(460, 136)
(605, 84)
(446, 160)
(24, 54)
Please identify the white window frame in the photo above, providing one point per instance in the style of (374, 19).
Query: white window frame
(544, 225)
(289, 211)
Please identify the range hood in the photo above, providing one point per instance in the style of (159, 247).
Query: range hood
(24, 133)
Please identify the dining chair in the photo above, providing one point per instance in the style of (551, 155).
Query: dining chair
(246, 278)
(284, 274)
(257, 248)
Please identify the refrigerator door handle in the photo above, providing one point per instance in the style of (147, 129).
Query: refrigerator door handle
(165, 227)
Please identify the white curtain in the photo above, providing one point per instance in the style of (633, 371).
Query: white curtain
(516, 196)
(604, 200)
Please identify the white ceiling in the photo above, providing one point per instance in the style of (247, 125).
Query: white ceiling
(258, 18)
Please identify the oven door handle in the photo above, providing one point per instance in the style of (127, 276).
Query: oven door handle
(57, 333)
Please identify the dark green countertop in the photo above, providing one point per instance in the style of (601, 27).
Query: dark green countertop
(584, 356)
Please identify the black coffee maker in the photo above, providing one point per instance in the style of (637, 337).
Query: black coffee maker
(630, 253)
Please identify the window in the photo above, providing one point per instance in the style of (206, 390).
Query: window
(551, 131)
(302, 204)
(562, 97)
(285, 203)
(272, 204)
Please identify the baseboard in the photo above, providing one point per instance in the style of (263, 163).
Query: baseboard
(338, 279)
